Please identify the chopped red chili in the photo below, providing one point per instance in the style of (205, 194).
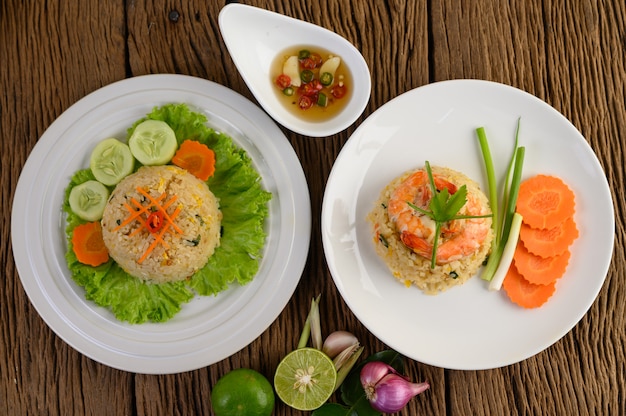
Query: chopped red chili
(155, 221)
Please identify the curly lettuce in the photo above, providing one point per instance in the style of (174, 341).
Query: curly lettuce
(244, 206)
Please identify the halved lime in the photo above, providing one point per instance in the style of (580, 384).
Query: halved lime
(305, 379)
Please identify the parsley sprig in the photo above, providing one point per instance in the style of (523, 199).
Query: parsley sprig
(443, 207)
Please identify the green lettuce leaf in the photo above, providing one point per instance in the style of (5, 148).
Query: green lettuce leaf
(244, 206)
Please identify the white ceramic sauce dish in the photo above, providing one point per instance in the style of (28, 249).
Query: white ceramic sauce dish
(255, 37)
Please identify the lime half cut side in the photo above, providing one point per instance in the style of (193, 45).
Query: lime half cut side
(305, 379)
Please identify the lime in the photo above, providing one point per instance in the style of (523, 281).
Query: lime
(242, 392)
(305, 379)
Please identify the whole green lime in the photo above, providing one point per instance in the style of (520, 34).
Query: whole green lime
(242, 392)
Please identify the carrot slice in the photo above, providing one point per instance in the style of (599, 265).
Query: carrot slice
(524, 293)
(549, 242)
(158, 238)
(545, 201)
(88, 244)
(540, 270)
(196, 158)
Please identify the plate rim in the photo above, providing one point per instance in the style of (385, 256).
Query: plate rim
(326, 216)
(298, 231)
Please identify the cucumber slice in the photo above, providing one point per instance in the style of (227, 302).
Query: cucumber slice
(88, 200)
(111, 161)
(153, 143)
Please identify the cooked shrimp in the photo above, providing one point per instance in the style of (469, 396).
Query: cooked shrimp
(457, 239)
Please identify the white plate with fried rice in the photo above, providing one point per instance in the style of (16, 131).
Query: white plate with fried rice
(466, 327)
(207, 329)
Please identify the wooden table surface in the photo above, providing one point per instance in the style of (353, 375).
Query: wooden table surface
(571, 55)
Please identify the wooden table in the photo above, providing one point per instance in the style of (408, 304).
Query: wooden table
(570, 55)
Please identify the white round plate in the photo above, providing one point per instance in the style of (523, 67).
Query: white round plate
(467, 327)
(207, 329)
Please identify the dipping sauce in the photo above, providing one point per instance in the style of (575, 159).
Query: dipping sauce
(312, 83)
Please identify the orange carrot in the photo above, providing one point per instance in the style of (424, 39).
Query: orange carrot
(545, 201)
(136, 214)
(540, 270)
(551, 241)
(196, 158)
(524, 293)
(158, 238)
(155, 203)
(88, 244)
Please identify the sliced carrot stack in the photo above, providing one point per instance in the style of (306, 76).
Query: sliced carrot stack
(526, 294)
(545, 201)
(549, 242)
(548, 229)
(540, 270)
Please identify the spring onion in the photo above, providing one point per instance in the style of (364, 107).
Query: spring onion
(491, 181)
(501, 226)
(505, 192)
(507, 254)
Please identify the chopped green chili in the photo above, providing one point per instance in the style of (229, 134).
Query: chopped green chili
(326, 79)
(306, 76)
(322, 100)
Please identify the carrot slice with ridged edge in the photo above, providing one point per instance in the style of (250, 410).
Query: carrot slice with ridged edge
(526, 294)
(88, 244)
(196, 158)
(540, 270)
(545, 201)
(549, 242)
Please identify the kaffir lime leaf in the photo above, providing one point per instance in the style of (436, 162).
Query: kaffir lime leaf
(305, 379)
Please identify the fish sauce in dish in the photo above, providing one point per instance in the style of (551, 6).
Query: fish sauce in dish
(312, 83)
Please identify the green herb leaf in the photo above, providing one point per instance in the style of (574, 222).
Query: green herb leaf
(453, 204)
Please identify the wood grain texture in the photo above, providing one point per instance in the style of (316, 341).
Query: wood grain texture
(573, 56)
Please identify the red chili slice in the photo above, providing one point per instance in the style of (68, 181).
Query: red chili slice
(311, 62)
(338, 91)
(305, 102)
(311, 89)
(155, 222)
(283, 81)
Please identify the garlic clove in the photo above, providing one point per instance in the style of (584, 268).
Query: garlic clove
(337, 342)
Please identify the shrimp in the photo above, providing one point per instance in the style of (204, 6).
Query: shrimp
(458, 238)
